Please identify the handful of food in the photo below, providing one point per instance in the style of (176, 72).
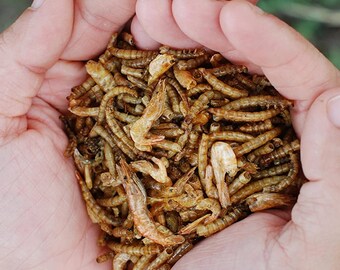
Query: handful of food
(172, 146)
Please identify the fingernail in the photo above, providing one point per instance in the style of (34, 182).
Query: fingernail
(37, 4)
(333, 111)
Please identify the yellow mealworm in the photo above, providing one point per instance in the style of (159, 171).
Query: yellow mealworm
(221, 223)
(257, 142)
(192, 63)
(182, 54)
(254, 187)
(222, 87)
(227, 69)
(239, 116)
(130, 54)
(239, 182)
(261, 201)
(100, 75)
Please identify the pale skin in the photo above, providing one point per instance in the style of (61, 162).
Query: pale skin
(44, 224)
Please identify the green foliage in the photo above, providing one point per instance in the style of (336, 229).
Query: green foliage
(317, 29)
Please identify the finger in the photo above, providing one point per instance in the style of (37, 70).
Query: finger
(27, 49)
(319, 199)
(199, 20)
(59, 79)
(234, 247)
(141, 38)
(94, 23)
(294, 66)
(157, 20)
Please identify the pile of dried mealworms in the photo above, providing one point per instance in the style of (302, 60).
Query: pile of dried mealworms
(172, 146)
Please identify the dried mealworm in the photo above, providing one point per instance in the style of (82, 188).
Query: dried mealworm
(130, 54)
(257, 127)
(115, 91)
(80, 90)
(257, 142)
(198, 89)
(182, 54)
(291, 177)
(222, 87)
(239, 182)
(221, 223)
(227, 69)
(261, 201)
(160, 259)
(143, 262)
(240, 116)
(180, 252)
(192, 63)
(262, 101)
(105, 257)
(217, 59)
(85, 111)
(92, 204)
(263, 150)
(120, 261)
(139, 62)
(254, 187)
(168, 133)
(185, 78)
(100, 75)
(191, 227)
(138, 250)
(280, 152)
(180, 92)
(276, 170)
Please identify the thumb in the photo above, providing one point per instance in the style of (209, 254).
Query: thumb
(27, 49)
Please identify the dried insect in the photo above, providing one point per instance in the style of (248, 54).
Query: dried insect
(184, 78)
(239, 182)
(263, 150)
(99, 212)
(277, 170)
(192, 63)
(221, 223)
(225, 89)
(131, 54)
(239, 116)
(280, 152)
(257, 142)
(100, 75)
(227, 69)
(182, 54)
(261, 201)
(160, 259)
(254, 187)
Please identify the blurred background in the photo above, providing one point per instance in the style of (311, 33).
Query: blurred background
(318, 21)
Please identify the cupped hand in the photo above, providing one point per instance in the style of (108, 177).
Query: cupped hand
(43, 222)
(309, 238)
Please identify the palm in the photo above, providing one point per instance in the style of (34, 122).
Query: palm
(46, 225)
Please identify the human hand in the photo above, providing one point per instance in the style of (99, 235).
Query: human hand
(308, 238)
(43, 222)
